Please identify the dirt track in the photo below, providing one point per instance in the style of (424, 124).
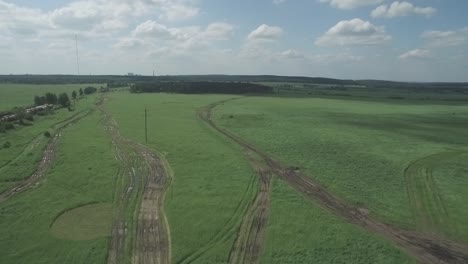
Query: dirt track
(424, 248)
(140, 232)
(249, 240)
(48, 157)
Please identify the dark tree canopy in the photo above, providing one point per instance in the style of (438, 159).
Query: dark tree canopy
(74, 94)
(200, 87)
(81, 92)
(64, 100)
(90, 90)
(51, 98)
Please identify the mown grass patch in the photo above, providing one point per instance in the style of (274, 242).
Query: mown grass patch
(84, 223)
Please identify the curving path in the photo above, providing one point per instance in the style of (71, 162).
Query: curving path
(140, 231)
(48, 157)
(424, 248)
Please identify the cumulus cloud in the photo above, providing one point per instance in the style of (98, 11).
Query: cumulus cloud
(351, 4)
(450, 38)
(353, 32)
(89, 18)
(416, 54)
(398, 9)
(266, 33)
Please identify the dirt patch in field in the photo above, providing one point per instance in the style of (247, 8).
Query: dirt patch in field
(424, 248)
(87, 222)
(140, 232)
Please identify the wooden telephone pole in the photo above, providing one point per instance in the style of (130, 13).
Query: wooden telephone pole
(146, 125)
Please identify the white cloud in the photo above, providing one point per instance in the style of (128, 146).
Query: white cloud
(353, 32)
(416, 54)
(398, 9)
(446, 38)
(266, 33)
(178, 12)
(292, 54)
(351, 4)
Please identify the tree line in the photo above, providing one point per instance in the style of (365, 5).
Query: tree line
(200, 88)
(62, 99)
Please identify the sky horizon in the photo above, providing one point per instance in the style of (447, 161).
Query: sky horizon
(415, 40)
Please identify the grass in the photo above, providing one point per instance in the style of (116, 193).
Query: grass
(84, 173)
(27, 142)
(87, 222)
(359, 150)
(301, 232)
(204, 204)
(212, 182)
(451, 181)
(20, 95)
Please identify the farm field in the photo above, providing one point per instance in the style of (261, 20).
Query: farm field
(27, 142)
(370, 153)
(191, 202)
(237, 179)
(65, 219)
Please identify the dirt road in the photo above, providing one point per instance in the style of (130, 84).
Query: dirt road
(48, 157)
(424, 248)
(140, 232)
(248, 245)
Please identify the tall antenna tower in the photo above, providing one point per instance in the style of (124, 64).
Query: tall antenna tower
(77, 60)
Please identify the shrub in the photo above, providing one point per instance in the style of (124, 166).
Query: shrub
(47, 134)
(7, 144)
(9, 126)
(29, 117)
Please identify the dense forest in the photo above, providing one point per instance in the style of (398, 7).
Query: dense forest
(200, 88)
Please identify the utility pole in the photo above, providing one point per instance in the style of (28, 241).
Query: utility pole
(146, 125)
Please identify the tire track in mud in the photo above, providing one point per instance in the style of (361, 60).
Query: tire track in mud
(428, 205)
(248, 244)
(35, 141)
(140, 231)
(424, 248)
(48, 157)
(249, 231)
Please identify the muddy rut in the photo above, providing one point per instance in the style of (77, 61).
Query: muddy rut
(140, 232)
(248, 244)
(48, 157)
(424, 248)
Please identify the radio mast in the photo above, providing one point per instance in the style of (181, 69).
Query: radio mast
(77, 60)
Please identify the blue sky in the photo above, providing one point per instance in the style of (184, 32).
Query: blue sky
(413, 40)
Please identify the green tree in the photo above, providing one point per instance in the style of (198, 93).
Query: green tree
(74, 94)
(64, 100)
(39, 100)
(81, 92)
(51, 98)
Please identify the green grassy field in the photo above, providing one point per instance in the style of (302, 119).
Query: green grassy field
(205, 201)
(211, 180)
(27, 142)
(19, 95)
(404, 161)
(301, 232)
(359, 150)
(84, 173)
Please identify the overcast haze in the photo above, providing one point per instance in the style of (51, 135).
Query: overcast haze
(417, 40)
